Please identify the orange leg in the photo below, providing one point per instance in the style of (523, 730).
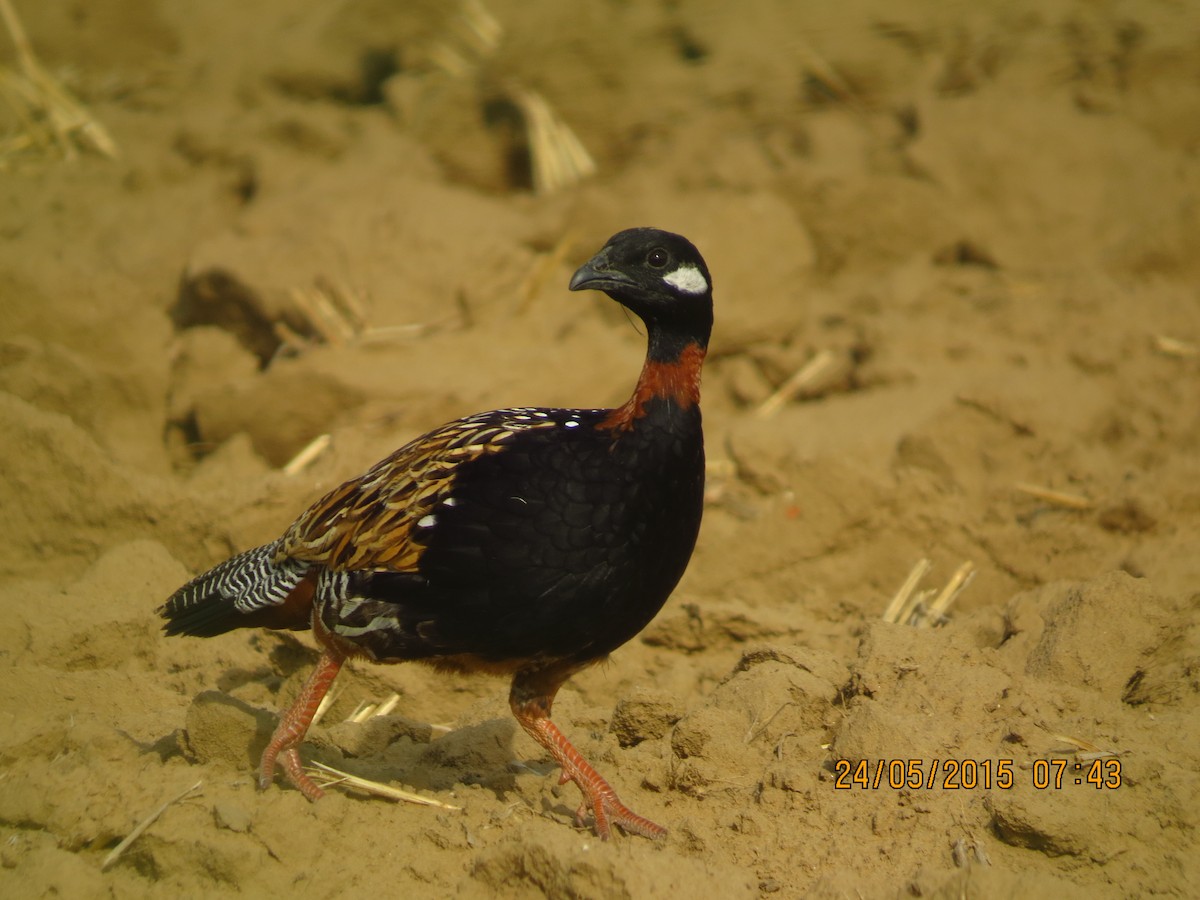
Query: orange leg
(531, 698)
(293, 725)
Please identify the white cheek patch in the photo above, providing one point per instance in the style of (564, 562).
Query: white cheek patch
(688, 279)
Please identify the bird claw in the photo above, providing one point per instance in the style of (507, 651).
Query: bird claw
(292, 768)
(608, 810)
(293, 725)
(531, 706)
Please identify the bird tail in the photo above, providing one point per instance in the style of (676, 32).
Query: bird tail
(248, 590)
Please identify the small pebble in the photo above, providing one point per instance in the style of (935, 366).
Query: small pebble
(232, 816)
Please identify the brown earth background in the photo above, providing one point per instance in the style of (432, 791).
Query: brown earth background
(986, 216)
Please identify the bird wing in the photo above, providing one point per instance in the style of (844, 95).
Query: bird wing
(373, 522)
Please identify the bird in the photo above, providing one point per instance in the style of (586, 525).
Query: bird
(524, 542)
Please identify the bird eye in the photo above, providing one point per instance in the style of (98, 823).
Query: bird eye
(657, 257)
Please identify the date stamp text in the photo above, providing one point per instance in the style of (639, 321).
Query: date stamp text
(974, 774)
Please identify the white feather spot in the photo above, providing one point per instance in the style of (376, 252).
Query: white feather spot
(450, 501)
(688, 279)
(427, 521)
(570, 423)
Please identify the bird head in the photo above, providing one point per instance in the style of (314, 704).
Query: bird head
(659, 276)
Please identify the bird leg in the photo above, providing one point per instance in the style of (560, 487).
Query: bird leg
(293, 725)
(531, 697)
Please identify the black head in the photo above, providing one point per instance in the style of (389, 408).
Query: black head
(658, 275)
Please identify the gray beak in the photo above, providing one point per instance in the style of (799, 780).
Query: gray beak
(596, 275)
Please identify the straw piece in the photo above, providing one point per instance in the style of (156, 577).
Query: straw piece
(898, 610)
(322, 708)
(362, 704)
(479, 27)
(48, 111)
(449, 60)
(367, 710)
(558, 157)
(305, 457)
(820, 68)
(473, 36)
(802, 378)
(992, 411)
(912, 607)
(1086, 750)
(143, 825)
(1169, 346)
(346, 301)
(334, 314)
(386, 707)
(958, 582)
(381, 333)
(332, 777)
(1058, 498)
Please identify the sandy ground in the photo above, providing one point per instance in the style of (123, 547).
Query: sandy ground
(986, 216)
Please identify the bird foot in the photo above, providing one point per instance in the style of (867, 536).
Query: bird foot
(605, 806)
(531, 700)
(293, 725)
(292, 768)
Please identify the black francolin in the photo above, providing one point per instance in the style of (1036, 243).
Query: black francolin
(523, 542)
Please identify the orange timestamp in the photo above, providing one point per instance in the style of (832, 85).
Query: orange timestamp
(972, 774)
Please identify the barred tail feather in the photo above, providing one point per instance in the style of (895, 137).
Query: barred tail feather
(247, 590)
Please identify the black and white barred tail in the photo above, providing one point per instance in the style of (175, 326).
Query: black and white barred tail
(230, 595)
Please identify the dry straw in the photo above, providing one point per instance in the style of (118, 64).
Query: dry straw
(49, 116)
(557, 157)
(145, 823)
(927, 608)
(331, 777)
(328, 776)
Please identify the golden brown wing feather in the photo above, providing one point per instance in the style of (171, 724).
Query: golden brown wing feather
(368, 523)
